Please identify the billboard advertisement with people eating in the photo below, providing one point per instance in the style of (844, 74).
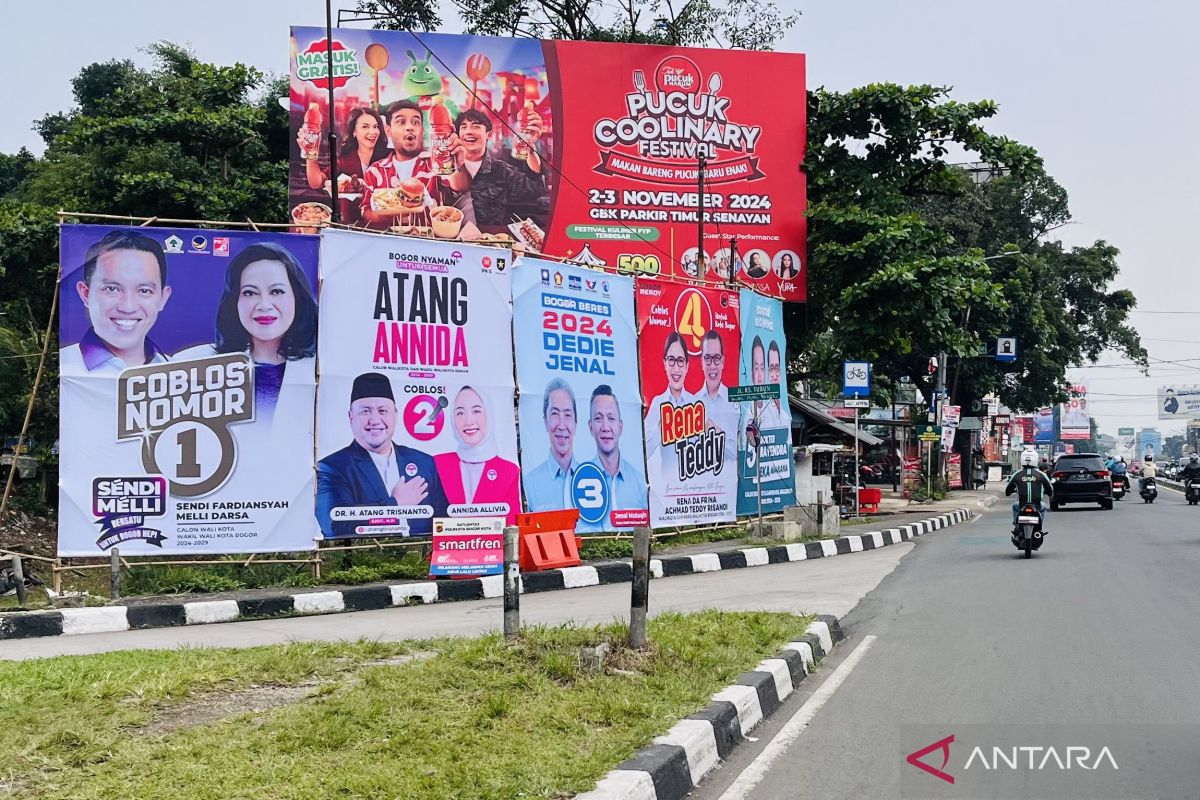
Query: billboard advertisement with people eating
(187, 381)
(582, 150)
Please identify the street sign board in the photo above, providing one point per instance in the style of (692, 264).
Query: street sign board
(857, 402)
(951, 415)
(1006, 348)
(741, 394)
(929, 437)
(928, 433)
(856, 378)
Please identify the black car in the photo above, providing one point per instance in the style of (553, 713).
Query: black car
(1081, 478)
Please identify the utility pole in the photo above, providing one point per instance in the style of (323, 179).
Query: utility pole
(701, 164)
(941, 402)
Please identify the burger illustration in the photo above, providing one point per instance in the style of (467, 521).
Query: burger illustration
(407, 198)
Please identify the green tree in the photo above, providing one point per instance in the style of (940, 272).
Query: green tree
(742, 24)
(903, 248)
(181, 139)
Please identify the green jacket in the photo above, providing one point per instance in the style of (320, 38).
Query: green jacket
(1029, 484)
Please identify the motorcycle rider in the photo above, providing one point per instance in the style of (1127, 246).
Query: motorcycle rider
(1032, 486)
(1192, 471)
(1120, 470)
(1149, 470)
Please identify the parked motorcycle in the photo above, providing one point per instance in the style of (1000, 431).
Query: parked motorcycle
(1028, 535)
(1191, 491)
(1149, 491)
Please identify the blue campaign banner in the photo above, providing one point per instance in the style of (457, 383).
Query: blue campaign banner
(1045, 431)
(764, 361)
(580, 403)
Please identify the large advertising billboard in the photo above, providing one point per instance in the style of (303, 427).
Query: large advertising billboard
(580, 408)
(1179, 402)
(1149, 443)
(689, 342)
(1074, 420)
(764, 361)
(415, 405)
(577, 149)
(187, 380)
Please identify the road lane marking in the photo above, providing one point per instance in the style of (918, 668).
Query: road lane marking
(753, 774)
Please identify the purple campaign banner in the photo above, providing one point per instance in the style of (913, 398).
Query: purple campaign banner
(187, 383)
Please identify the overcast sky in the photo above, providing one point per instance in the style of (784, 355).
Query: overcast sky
(1099, 88)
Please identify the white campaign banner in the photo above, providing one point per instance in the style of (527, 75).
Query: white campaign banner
(1179, 402)
(187, 380)
(415, 410)
(580, 410)
(1075, 422)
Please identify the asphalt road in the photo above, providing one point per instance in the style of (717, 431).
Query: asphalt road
(1093, 642)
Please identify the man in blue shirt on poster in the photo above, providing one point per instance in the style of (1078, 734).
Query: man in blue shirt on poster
(547, 486)
(625, 484)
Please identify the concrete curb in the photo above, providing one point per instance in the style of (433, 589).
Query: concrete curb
(677, 761)
(24, 625)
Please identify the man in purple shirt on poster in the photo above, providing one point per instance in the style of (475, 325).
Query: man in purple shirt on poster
(124, 290)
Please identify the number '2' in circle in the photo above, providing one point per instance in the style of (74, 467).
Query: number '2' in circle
(423, 417)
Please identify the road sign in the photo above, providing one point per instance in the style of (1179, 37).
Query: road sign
(857, 402)
(1006, 348)
(929, 433)
(741, 394)
(856, 378)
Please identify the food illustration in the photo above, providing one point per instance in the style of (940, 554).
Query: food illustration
(407, 198)
(446, 221)
(527, 231)
(312, 215)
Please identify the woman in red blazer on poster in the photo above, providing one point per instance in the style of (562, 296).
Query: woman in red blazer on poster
(475, 473)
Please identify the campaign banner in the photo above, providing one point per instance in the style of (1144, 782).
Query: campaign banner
(577, 375)
(1075, 422)
(764, 361)
(1149, 443)
(1179, 402)
(415, 405)
(954, 470)
(467, 547)
(187, 380)
(689, 341)
(482, 138)
(1044, 431)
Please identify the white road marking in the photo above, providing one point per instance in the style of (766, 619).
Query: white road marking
(758, 768)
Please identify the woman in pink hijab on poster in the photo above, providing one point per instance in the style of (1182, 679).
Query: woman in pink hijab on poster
(475, 473)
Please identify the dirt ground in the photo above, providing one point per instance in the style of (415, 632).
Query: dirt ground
(28, 534)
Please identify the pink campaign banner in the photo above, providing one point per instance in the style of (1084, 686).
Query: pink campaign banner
(479, 550)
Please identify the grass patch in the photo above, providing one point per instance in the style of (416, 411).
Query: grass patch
(480, 720)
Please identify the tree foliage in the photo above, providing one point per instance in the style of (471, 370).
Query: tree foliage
(741, 24)
(911, 256)
(181, 139)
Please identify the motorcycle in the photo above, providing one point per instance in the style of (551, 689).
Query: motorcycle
(1191, 490)
(1149, 491)
(1120, 485)
(1028, 535)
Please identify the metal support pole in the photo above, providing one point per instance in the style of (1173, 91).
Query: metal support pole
(333, 165)
(512, 584)
(19, 578)
(899, 458)
(821, 510)
(732, 262)
(114, 573)
(857, 469)
(639, 600)
(701, 164)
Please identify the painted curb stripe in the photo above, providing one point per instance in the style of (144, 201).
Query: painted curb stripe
(119, 618)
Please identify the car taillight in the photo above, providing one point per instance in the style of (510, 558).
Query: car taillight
(1058, 476)
(1102, 473)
